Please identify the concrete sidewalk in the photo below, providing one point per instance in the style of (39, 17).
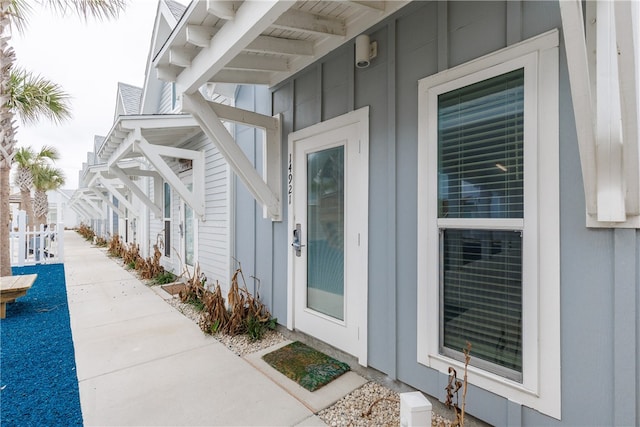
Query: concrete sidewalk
(141, 362)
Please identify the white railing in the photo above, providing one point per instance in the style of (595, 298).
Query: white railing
(43, 245)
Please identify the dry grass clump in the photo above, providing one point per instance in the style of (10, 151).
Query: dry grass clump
(245, 313)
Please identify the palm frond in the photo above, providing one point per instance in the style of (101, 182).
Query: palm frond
(47, 177)
(34, 97)
(18, 14)
(99, 9)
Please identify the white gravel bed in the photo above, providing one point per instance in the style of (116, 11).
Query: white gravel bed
(351, 410)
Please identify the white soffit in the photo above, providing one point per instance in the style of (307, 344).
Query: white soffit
(260, 42)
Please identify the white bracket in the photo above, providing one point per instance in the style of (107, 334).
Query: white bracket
(265, 189)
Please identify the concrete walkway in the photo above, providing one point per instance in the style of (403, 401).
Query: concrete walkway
(141, 362)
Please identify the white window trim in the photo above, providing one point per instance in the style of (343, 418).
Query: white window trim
(540, 388)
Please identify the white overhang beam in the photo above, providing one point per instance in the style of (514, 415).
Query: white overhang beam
(629, 90)
(87, 200)
(604, 85)
(109, 185)
(369, 5)
(306, 22)
(580, 82)
(280, 46)
(98, 192)
(199, 35)
(251, 19)
(80, 205)
(265, 190)
(255, 62)
(193, 198)
(223, 9)
(241, 77)
(155, 207)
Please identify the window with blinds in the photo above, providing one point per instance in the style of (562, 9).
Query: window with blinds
(480, 177)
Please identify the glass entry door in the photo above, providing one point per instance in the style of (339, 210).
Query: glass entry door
(329, 227)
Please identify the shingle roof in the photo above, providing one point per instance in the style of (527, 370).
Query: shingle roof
(176, 8)
(130, 96)
(97, 142)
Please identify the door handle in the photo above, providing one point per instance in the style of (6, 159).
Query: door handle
(297, 244)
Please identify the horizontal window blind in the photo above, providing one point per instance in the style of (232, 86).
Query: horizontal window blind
(480, 175)
(482, 295)
(480, 149)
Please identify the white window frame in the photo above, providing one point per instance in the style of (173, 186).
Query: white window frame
(540, 386)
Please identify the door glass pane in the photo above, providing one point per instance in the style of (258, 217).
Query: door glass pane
(325, 235)
(481, 296)
(188, 233)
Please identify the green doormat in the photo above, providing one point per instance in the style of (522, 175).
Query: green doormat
(305, 365)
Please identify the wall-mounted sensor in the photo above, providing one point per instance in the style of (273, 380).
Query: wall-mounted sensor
(365, 51)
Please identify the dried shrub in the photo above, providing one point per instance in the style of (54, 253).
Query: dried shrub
(101, 242)
(454, 386)
(86, 232)
(215, 314)
(194, 290)
(131, 254)
(150, 268)
(244, 314)
(115, 246)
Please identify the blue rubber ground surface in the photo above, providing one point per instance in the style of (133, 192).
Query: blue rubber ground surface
(38, 380)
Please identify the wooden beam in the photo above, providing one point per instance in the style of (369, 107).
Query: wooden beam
(609, 181)
(629, 88)
(106, 200)
(233, 154)
(108, 184)
(155, 207)
(199, 35)
(245, 117)
(252, 18)
(580, 82)
(258, 62)
(193, 198)
(166, 73)
(180, 56)
(297, 20)
(222, 9)
(280, 46)
(378, 6)
(241, 77)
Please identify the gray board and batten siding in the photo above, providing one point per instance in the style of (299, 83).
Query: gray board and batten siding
(600, 268)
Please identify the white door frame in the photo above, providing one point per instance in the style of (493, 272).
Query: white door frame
(187, 179)
(357, 251)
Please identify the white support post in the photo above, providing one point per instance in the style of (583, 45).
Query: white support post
(609, 181)
(628, 53)
(233, 154)
(580, 82)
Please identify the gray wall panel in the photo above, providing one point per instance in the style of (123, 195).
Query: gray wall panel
(409, 49)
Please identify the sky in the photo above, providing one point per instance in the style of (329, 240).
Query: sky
(88, 59)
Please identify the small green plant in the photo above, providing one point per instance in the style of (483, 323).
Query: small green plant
(131, 265)
(164, 278)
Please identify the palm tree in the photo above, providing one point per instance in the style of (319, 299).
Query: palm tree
(27, 160)
(45, 178)
(14, 14)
